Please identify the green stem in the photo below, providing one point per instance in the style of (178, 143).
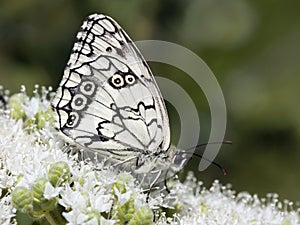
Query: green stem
(50, 219)
(54, 217)
(59, 218)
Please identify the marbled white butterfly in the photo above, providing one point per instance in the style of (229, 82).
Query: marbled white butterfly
(108, 101)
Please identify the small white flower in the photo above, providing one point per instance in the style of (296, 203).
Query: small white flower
(92, 221)
(75, 217)
(50, 191)
(7, 212)
(32, 107)
(104, 221)
(101, 202)
(122, 198)
(139, 201)
(72, 199)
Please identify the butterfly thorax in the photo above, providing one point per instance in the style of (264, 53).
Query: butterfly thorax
(158, 161)
(154, 168)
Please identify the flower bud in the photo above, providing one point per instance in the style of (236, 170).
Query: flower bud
(15, 105)
(58, 173)
(143, 215)
(40, 203)
(22, 199)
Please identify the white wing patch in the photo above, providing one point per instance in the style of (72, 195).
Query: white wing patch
(108, 100)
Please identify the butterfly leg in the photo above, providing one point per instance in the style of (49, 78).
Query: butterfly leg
(152, 185)
(124, 161)
(165, 182)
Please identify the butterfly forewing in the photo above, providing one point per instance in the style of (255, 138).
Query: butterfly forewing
(108, 99)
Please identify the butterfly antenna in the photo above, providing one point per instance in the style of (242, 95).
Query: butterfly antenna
(208, 160)
(212, 162)
(209, 143)
(165, 182)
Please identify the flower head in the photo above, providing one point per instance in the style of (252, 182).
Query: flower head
(39, 177)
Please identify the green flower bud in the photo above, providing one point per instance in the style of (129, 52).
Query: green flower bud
(59, 173)
(122, 181)
(119, 186)
(22, 199)
(41, 118)
(81, 181)
(40, 203)
(19, 177)
(203, 208)
(125, 212)
(286, 222)
(15, 103)
(143, 216)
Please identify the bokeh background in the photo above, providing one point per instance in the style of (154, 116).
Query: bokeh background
(253, 48)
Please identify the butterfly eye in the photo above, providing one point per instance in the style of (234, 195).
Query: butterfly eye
(79, 102)
(117, 81)
(130, 79)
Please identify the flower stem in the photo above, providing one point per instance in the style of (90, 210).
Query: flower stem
(50, 219)
(54, 217)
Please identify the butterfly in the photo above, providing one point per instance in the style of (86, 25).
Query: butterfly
(108, 101)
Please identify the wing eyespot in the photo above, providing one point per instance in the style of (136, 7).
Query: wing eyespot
(79, 102)
(72, 120)
(88, 88)
(130, 79)
(117, 81)
(122, 80)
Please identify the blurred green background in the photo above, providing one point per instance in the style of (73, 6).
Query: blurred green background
(253, 48)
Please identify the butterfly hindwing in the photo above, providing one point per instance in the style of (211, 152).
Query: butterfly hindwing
(108, 99)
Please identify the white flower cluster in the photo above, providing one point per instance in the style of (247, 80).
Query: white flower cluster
(221, 205)
(38, 177)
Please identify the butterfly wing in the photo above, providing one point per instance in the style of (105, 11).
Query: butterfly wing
(108, 99)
